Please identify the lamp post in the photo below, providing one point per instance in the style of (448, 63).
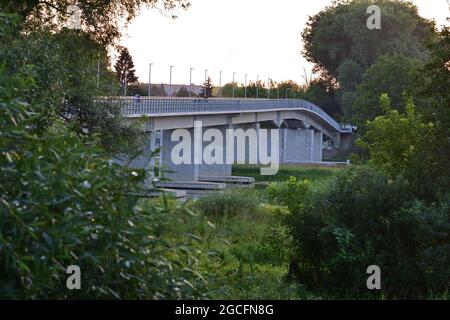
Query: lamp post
(125, 82)
(245, 90)
(206, 80)
(220, 84)
(268, 88)
(150, 79)
(170, 81)
(257, 87)
(234, 74)
(190, 82)
(278, 95)
(287, 90)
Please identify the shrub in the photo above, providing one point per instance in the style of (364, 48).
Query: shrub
(363, 218)
(289, 193)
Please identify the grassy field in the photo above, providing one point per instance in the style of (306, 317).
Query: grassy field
(245, 246)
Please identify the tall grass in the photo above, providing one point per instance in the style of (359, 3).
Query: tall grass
(301, 172)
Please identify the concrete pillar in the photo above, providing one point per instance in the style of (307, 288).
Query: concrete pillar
(296, 146)
(311, 145)
(161, 153)
(216, 169)
(318, 137)
(321, 146)
(172, 171)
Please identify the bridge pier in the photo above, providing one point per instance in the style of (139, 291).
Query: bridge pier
(300, 142)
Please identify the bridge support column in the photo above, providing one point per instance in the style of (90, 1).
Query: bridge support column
(311, 145)
(220, 168)
(301, 145)
(174, 171)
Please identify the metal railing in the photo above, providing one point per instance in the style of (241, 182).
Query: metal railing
(144, 106)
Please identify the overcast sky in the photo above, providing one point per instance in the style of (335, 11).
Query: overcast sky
(257, 37)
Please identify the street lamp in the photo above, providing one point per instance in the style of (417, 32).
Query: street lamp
(125, 82)
(287, 90)
(268, 88)
(245, 90)
(170, 81)
(206, 80)
(190, 82)
(234, 74)
(220, 84)
(150, 79)
(257, 87)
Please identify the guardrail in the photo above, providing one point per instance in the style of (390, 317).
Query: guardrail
(137, 106)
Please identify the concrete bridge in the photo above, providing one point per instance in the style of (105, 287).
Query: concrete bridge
(304, 129)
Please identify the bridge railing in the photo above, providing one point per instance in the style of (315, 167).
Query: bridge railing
(136, 106)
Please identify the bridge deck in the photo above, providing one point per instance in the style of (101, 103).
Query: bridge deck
(144, 106)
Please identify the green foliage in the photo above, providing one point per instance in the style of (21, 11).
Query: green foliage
(289, 194)
(390, 74)
(435, 81)
(125, 72)
(322, 91)
(229, 202)
(100, 18)
(65, 71)
(364, 218)
(339, 34)
(207, 89)
(62, 202)
(245, 256)
(404, 144)
(342, 48)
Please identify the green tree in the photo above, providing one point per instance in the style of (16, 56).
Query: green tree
(405, 145)
(342, 48)
(101, 19)
(339, 33)
(183, 92)
(126, 74)
(433, 83)
(323, 92)
(390, 74)
(62, 202)
(207, 89)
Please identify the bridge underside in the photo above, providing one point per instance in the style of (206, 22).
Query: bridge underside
(301, 139)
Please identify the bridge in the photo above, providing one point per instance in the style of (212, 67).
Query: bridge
(304, 130)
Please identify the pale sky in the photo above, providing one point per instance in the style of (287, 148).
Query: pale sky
(254, 37)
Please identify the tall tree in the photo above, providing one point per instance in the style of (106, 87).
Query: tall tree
(339, 33)
(392, 74)
(126, 74)
(101, 19)
(342, 47)
(207, 89)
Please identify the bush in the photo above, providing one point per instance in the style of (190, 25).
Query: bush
(289, 193)
(229, 202)
(363, 218)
